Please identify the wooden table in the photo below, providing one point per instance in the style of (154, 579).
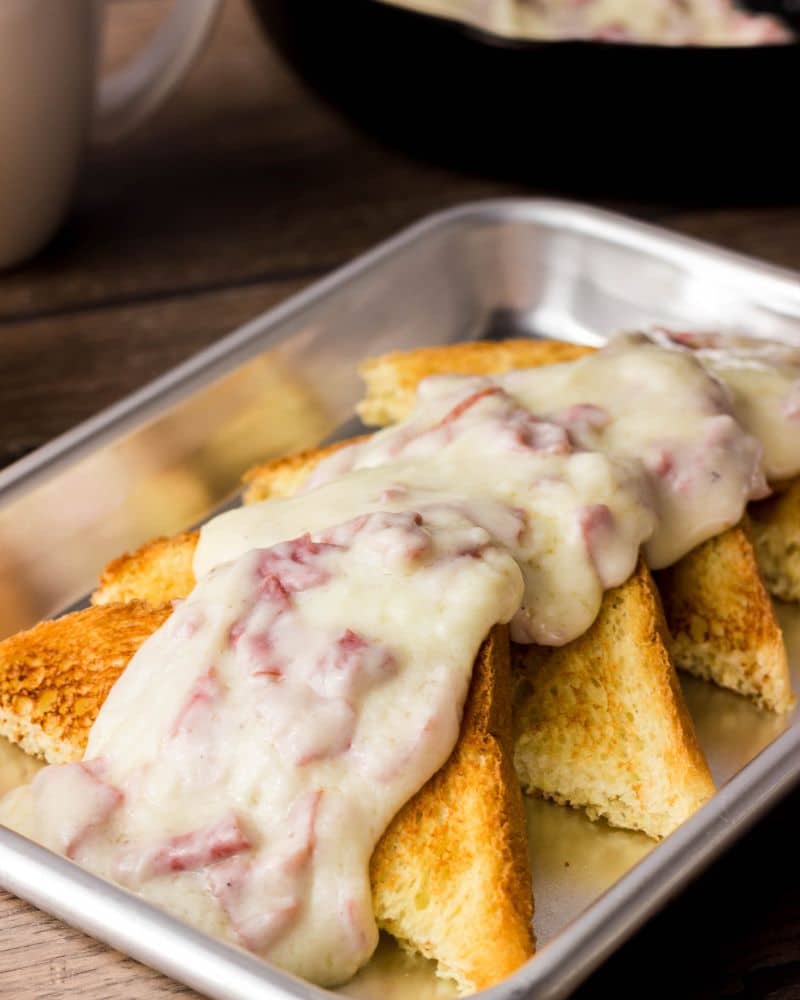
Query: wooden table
(241, 191)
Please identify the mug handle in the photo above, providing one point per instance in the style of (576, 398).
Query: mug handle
(130, 94)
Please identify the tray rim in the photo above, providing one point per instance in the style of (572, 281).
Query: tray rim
(222, 971)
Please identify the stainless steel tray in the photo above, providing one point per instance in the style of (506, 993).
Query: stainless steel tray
(171, 454)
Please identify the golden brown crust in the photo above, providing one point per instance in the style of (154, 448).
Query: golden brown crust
(775, 531)
(601, 722)
(158, 572)
(392, 379)
(722, 622)
(282, 477)
(450, 875)
(55, 677)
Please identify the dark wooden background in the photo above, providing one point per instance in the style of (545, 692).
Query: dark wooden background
(238, 193)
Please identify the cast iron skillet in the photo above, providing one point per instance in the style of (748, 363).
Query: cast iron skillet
(583, 116)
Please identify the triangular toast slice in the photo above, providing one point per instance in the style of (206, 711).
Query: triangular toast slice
(450, 876)
(749, 660)
(601, 723)
(136, 574)
(723, 625)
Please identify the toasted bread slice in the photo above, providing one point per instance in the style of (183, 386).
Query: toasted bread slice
(450, 875)
(751, 661)
(55, 677)
(601, 723)
(775, 531)
(722, 622)
(158, 572)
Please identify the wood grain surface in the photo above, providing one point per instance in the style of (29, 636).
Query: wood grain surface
(239, 192)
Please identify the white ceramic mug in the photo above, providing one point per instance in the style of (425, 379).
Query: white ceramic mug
(52, 102)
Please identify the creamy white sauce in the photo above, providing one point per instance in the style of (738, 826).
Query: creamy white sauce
(659, 407)
(763, 380)
(258, 745)
(652, 411)
(574, 520)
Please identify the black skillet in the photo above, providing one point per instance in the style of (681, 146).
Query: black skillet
(597, 117)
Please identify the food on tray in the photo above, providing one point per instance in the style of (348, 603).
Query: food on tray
(653, 22)
(302, 703)
(733, 631)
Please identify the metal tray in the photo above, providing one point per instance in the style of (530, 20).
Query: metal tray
(171, 454)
